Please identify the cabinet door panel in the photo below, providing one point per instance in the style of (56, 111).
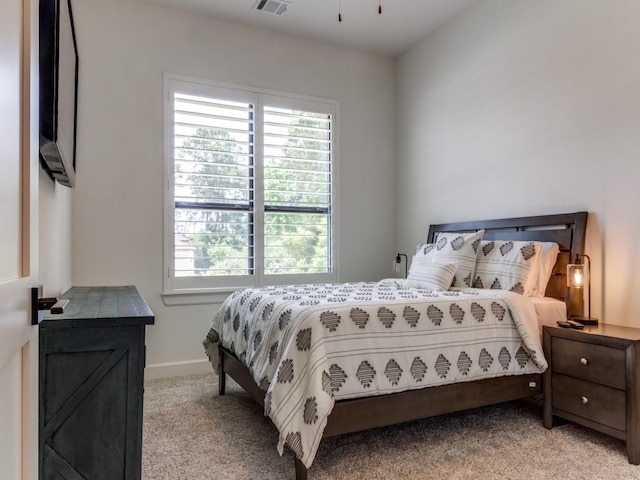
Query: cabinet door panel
(91, 402)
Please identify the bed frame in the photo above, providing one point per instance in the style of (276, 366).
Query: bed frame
(567, 230)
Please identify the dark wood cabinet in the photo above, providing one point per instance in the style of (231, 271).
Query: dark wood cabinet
(593, 380)
(92, 361)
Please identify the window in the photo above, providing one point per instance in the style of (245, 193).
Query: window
(250, 197)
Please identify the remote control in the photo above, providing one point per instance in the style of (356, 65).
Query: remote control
(563, 324)
(576, 325)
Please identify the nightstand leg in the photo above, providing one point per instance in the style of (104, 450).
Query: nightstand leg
(547, 408)
(632, 452)
(547, 405)
(633, 443)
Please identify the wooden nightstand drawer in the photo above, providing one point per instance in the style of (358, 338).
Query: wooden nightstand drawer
(588, 400)
(595, 363)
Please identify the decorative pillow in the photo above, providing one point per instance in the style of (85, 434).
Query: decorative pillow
(458, 249)
(548, 257)
(430, 275)
(507, 265)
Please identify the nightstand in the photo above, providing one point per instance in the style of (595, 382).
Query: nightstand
(592, 380)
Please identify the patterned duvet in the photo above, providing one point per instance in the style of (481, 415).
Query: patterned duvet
(310, 345)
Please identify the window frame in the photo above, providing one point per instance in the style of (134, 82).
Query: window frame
(197, 287)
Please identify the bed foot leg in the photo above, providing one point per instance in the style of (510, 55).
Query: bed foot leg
(222, 383)
(222, 377)
(301, 470)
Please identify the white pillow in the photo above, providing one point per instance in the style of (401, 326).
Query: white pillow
(458, 249)
(430, 275)
(548, 257)
(507, 265)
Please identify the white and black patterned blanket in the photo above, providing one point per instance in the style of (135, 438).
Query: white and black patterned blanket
(309, 345)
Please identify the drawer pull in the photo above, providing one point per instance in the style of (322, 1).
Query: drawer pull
(584, 361)
(585, 400)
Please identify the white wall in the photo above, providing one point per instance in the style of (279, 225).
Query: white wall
(54, 236)
(526, 108)
(125, 47)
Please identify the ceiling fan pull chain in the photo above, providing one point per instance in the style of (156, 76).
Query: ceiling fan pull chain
(379, 7)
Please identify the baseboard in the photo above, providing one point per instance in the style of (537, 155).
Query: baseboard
(177, 369)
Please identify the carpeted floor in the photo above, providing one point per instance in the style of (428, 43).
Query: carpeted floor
(192, 433)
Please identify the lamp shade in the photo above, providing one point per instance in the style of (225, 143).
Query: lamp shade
(577, 275)
(398, 262)
(578, 279)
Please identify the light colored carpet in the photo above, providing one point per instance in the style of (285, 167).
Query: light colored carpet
(192, 433)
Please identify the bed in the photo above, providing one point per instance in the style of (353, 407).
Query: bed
(319, 395)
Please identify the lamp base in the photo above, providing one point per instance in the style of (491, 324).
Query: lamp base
(585, 320)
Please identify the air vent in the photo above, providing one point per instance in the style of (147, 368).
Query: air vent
(276, 7)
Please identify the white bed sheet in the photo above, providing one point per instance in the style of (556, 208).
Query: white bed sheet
(548, 311)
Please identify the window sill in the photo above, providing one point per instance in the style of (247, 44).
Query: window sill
(196, 296)
(216, 295)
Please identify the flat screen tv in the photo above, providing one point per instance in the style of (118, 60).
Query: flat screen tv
(58, 90)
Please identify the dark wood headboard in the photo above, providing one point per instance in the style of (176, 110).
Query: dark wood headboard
(568, 230)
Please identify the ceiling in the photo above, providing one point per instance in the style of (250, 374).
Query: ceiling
(401, 24)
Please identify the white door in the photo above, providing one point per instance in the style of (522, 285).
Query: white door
(18, 238)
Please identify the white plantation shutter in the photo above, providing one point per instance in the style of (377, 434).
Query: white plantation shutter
(214, 198)
(250, 188)
(297, 191)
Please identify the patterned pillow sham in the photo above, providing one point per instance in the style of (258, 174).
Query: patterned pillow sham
(548, 256)
(459, 249)
(429, 275)
(507, 265)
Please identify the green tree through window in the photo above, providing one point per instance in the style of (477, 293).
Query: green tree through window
(218, 178)
(297, 193)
